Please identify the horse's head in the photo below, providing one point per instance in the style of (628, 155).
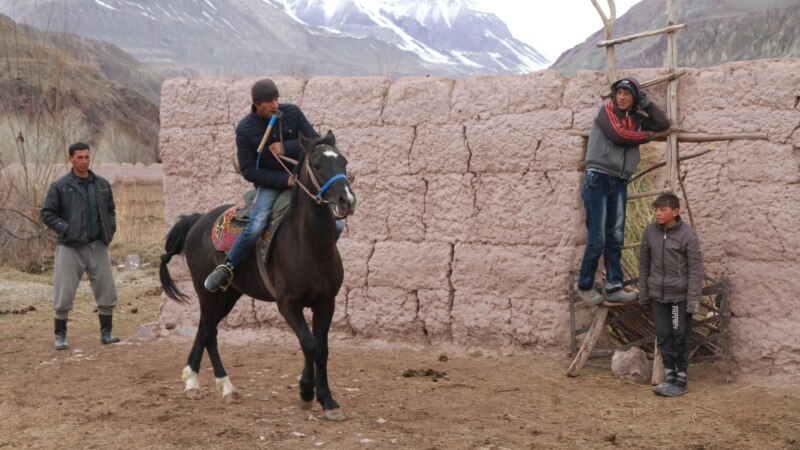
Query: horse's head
(326, 168)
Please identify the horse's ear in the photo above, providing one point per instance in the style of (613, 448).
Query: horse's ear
(330, 138)
(304, 142)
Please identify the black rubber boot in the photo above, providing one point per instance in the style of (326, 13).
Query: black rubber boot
(61, 334)
(105, 330)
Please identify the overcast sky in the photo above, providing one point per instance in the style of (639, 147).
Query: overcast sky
(551, 26)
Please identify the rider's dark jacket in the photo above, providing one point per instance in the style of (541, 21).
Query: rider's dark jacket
(264, 170)
(74, 216)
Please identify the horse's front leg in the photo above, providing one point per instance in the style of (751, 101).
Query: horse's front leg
(323, 315)
(294, 317)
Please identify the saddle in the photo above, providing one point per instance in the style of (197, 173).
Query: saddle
(231, 223)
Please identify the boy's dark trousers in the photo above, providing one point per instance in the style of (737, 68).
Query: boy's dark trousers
(673, 329)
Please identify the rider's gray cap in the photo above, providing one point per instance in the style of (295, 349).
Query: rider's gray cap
(264, 90)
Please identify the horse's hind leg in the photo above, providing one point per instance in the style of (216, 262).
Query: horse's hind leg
(323, 315)
(190, 372)
(214, 309)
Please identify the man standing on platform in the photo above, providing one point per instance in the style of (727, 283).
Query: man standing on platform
(623, 122)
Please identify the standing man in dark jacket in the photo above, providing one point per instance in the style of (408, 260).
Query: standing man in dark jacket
(624, 121)
(79, 207)
(263, 169)
(671, 276)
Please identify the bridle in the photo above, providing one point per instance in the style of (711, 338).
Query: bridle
(312, 175)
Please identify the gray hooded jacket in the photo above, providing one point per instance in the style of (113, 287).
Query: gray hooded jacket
(613, 147)
(670, 265)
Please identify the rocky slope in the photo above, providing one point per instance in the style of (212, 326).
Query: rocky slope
(717, 31)
(53, 81)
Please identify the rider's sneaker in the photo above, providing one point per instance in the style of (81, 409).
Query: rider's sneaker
(220, 277)
(590, 296)
(621, 296)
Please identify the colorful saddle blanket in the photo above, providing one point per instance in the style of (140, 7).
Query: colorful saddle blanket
(232, 222)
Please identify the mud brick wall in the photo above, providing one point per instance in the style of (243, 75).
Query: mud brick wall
(469, 211)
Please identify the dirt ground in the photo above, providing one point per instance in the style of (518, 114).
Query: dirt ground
(129, 395)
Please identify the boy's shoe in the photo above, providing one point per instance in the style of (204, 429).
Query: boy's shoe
(590, 296)
(674, 390)
(659, 388)
(622, 296)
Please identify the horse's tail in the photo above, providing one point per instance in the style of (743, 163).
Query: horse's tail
(174, 246)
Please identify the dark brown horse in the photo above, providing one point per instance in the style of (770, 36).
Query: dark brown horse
(303, 265)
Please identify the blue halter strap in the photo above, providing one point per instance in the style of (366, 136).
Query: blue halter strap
(331, 180)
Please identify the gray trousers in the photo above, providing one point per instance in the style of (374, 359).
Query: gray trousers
(70, 265)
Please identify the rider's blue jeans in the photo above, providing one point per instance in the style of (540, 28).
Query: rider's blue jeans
(260, 213)
(604, 198)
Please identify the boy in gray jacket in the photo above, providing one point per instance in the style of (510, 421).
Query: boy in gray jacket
(671, 278)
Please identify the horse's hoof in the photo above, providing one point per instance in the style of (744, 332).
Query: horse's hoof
(192, 394)
(335, 414)
(233, 397)
(306, 405)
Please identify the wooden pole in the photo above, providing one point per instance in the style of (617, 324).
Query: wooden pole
(622, 40)
(668, 77)
(608, 32)
(661, 164)
(692, 137)
(658, 366)
(573, 342)
(636, 195)
(672, 99)
(598, 324)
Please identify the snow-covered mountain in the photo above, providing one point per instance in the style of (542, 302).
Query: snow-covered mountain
(454, 32)
(295, 37)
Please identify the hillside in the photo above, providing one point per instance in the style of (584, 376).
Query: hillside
(221, 38)
(46, 91)
(113, 62)
(717, 31)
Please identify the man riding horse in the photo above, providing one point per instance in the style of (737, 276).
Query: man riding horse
(265, 171)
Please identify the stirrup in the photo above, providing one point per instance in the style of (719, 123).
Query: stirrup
(222, 284)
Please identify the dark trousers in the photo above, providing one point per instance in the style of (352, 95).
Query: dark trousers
(605, 199)
(673, 329)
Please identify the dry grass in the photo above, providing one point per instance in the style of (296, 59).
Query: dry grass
(24, 242)
(28, 246)
(140, 221)
(640, 211)
(638, 215)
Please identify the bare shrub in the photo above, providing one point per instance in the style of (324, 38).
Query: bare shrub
(118, 145)
(35, 132)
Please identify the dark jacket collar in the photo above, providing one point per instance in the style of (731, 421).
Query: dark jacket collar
(76, 179)
(675, 228)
